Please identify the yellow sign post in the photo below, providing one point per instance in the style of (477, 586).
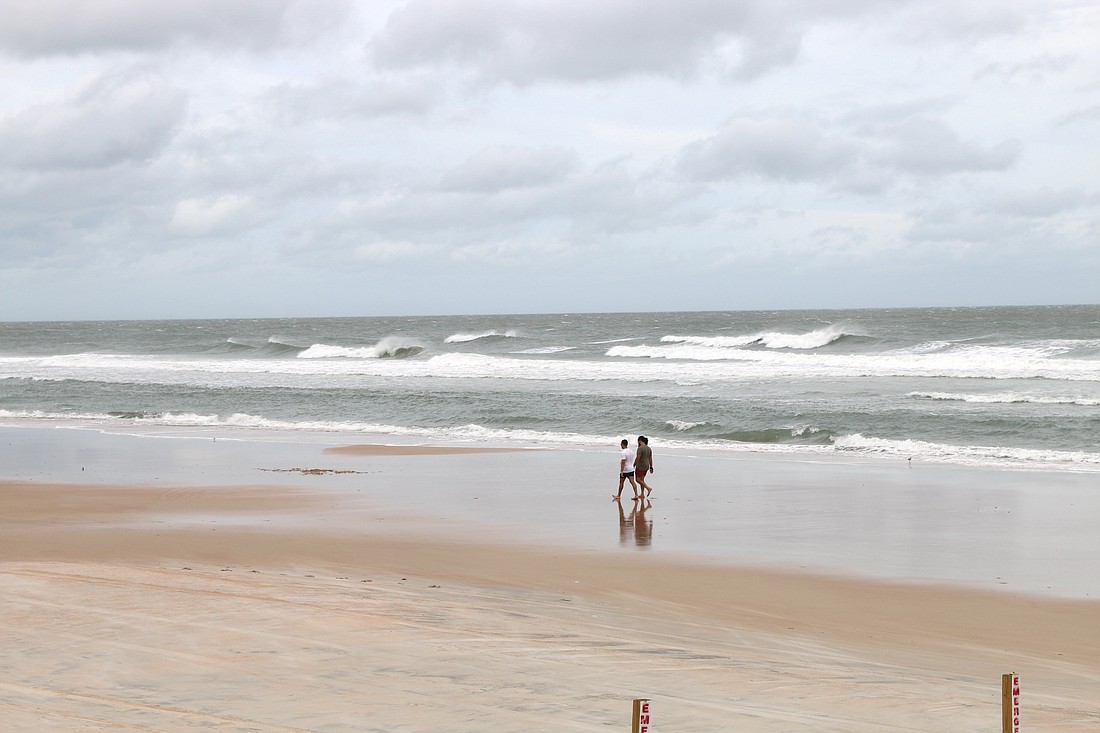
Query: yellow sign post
(1010, 703)
(640, 718)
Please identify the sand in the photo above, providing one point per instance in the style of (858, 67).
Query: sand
(299, 608)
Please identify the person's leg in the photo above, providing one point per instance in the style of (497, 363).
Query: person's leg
(622, 480)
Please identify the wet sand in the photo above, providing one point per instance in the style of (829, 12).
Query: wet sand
(336, 601)
(373, 449)
(298, 607)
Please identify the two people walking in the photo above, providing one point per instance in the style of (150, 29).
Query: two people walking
(633, 467)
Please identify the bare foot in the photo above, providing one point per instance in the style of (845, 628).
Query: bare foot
(615, 498)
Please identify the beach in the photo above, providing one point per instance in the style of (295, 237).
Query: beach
(145, 588)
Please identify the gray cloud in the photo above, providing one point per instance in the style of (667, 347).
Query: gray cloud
(1084, 115)
(556, 212)
(859, 158)
(972, 20)
(784, 148)
(112, 120)
(1031, 71)
(343, 99)
(928, 146)
(63, 27)
(435, 141)
(526, 41)
(503, 167)
(1038, 203)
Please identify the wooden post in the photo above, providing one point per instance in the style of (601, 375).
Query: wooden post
(639, 721)
(1010, 703)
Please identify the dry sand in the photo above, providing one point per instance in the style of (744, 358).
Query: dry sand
(275, 609)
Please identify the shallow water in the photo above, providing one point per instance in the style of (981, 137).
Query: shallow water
(1019, 531)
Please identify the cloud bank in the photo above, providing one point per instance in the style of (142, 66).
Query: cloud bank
(272, 157)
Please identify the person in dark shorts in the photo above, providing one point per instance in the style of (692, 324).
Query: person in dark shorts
(626, 469)
(643, 464)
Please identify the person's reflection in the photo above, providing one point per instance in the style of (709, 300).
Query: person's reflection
(636, 525)
(643, 526)
(626, 524)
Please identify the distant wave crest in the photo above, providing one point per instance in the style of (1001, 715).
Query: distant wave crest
(393, 347)
(546, 350)
(970, 454)
(771, 339)
(462, 338)
(274, 346)
(1006, 398)
(683, 426)
(787, 436)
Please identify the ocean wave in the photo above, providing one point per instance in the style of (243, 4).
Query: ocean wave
(683, 426)
(798, 436)
(771, 339)
(546, 350)
(277, 347)
(393, 347)
(1001, 456)
(1006, 398)
(1005, 363)
(463, 338)
(232, 344)
(794, 441)
(626, 363)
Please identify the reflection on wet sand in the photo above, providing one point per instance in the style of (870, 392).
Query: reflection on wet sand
(636, 525)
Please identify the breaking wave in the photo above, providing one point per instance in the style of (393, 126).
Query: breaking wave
(784, 440)
(546, 350)
(1006, 398)
(770, 339)
(392, 347)
(464, 338)
(976, 455)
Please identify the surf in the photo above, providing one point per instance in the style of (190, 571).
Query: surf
(391, 347)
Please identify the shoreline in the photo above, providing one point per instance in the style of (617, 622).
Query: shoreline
(1016, 531)
(379, 449)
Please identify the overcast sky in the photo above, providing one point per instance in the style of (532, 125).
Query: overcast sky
(251, 158)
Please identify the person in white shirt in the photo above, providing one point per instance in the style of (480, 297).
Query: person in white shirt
(626, 470)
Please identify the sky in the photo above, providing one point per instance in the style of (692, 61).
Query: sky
(298, 158)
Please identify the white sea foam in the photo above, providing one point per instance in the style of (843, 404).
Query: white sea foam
(682, 426)
(1007, 398)
(964, 362)
(712, 342)
(1000, 457)
(771, 339)
(812, 340)
(389, 346)
(971, 455)
(462, 338)
(676, 363)
(546, 350)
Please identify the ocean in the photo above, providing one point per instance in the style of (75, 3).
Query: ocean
(1010, 387)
